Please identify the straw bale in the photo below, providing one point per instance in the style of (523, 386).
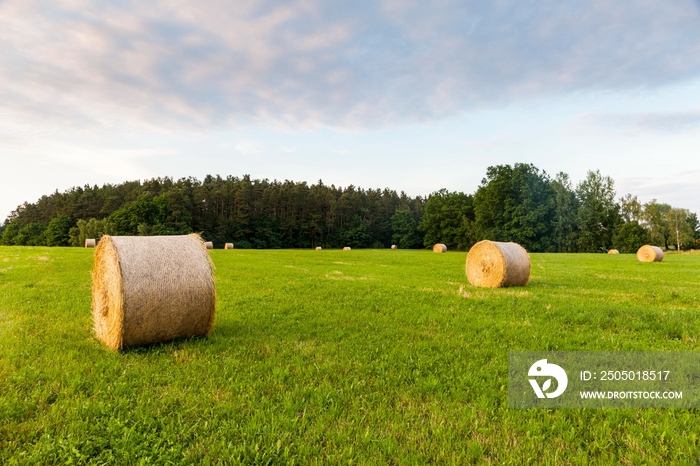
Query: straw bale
(393, 246)
(492, 264)
(613, 251)
(228, 246)
(318, 248)
(649, 253)
(439, 248)
(148, 289)
(209, 245)
(346, 248)
(90, 243)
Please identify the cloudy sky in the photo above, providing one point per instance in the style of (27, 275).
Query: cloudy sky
(410, 95)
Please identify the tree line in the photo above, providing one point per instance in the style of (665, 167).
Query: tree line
(513, 203)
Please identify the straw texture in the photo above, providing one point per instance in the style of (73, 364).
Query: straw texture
(393, 246)
(148, 289)
(613, 251)
(650, 254)
(228, 246)
(491, 264)
(439, 248)
(347, 248)
(209, 245)
(318, 248)
(90, 243)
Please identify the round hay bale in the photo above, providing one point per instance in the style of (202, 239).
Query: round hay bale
(492, 264)
(90, 243)
(613, 251)
(649, 253)
(346, 248)
(439, 248)
(228, 246)
(318, 248)
(393, 246)
(209, 245)
(148, 289)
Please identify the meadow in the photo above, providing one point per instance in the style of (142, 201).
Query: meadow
(331, 357)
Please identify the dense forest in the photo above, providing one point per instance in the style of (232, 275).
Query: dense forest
(513, 203)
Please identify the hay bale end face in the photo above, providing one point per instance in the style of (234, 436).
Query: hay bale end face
(228, 246)
(393, 246)
(209, 245)
(439, 248)
(613, 251)
(649, 253)
(491, 264)
(346, 248)
(318, 248)
(149, 289)
(90, 243)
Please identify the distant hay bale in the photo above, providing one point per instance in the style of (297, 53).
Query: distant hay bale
(209, 245)
(650, 254)
(149, 289)
(90, 243)
(492, 264)
(228, 246)
(393, 246)
(613, 251)
(318, 248)
(346, 248)
(439, 248)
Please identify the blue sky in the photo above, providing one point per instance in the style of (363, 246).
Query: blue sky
(410, 95)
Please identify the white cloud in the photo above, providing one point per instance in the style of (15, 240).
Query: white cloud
(309, 63)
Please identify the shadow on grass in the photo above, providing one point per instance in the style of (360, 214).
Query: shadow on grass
(221, 333)
(170, 345)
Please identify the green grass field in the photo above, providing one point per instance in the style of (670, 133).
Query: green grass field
(330, 357)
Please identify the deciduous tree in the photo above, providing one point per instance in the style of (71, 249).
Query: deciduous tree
(447, 219)
(656, 222)
(405, 230)
(681, 233)
(516, 204)
(598, 214)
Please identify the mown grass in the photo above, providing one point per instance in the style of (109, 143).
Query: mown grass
(330, 357)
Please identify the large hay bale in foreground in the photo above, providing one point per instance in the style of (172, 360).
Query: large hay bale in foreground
(228, 246)
(649, 253)
(148, 289)
(209, 245)
(347, 248)
(492, 264)
(90, 243)
(393, 246)
(318, 248)
(439, 248)
(613, 251)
